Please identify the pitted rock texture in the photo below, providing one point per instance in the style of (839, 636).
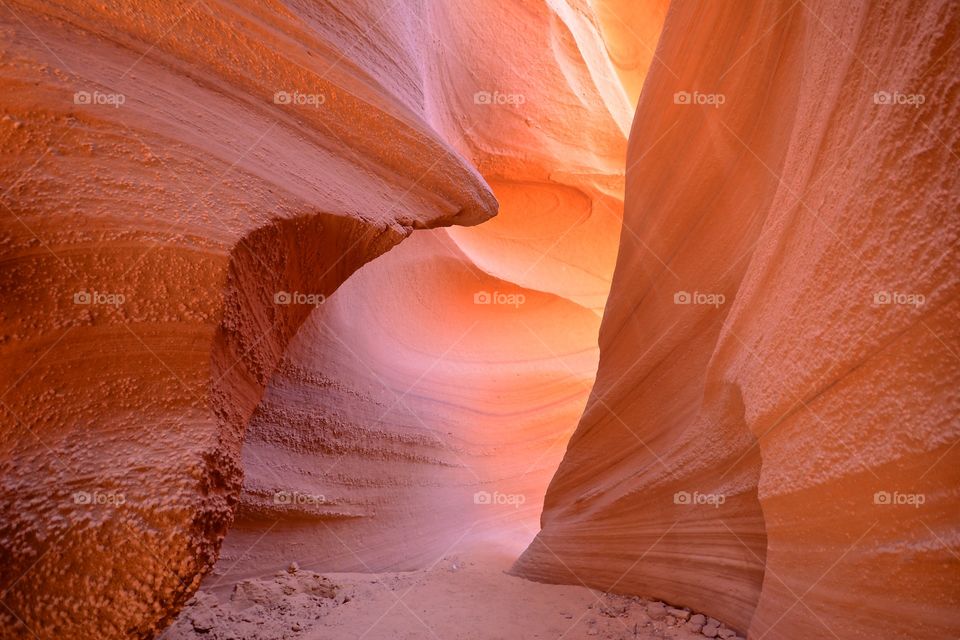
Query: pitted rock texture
(772, 434)
(164, 178)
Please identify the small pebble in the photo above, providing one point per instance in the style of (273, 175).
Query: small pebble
(682, 614)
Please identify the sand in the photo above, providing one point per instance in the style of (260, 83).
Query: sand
(463, 595)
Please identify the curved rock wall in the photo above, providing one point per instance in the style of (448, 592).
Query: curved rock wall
(772, 435)
(374, 441)
(201, 175)
(168, 169)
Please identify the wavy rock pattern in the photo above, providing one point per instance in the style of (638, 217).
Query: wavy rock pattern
(745, 455)
(459, 362)
(372, 440)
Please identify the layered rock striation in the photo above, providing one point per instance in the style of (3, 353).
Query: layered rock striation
(216, 313)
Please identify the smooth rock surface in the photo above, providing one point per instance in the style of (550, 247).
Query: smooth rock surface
(787, 450)
(214, 313)
(428, 402)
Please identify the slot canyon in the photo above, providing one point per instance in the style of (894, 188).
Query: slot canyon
(480, 319)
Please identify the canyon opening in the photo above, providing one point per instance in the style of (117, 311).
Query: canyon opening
(480, 319)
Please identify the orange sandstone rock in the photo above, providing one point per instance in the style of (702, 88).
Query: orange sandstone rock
(167, 170)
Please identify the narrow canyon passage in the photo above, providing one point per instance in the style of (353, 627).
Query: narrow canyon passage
(422, 409)
(496, 319)
(422, 390)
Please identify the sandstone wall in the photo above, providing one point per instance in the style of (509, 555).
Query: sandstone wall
(157, 194)
(739, 454)
(406, 396)
(180, 165)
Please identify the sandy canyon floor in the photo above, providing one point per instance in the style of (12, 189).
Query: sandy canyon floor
(465, 595)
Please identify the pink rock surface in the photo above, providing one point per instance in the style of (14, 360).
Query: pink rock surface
(454, 368)
(739, 455)
(379, 446)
